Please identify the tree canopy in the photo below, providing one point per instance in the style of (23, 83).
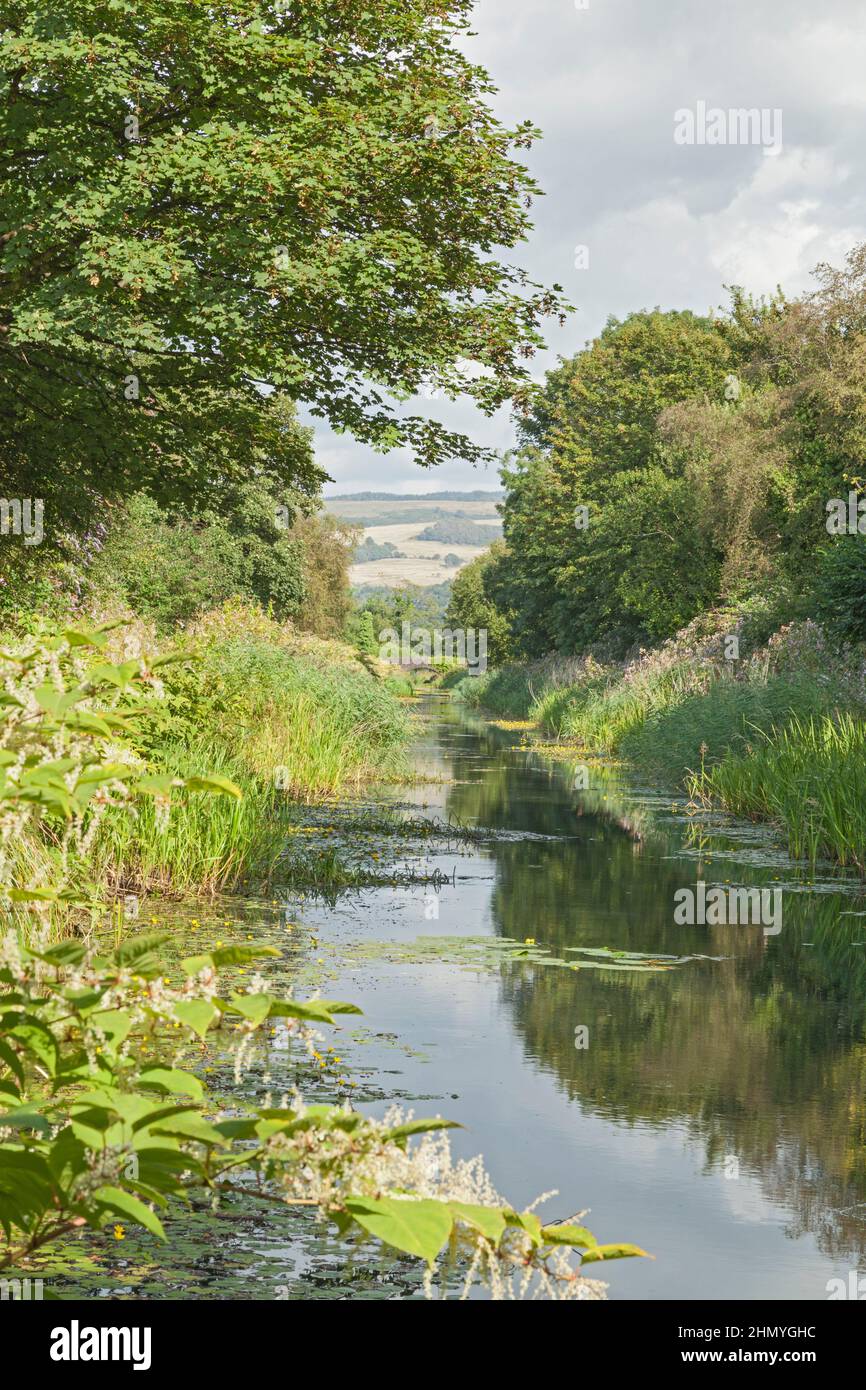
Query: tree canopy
(682, 463)
(209, 210)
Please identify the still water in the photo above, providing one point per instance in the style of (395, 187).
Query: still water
(717, 1115)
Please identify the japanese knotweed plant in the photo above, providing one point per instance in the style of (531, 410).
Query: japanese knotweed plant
(66, 716)
(103, 1123)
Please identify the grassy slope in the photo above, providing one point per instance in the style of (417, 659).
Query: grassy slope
(286, 717)
(779, 736)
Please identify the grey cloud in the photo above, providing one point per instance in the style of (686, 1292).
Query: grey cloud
(665, 224)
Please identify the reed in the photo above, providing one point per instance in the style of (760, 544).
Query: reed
(808, 777)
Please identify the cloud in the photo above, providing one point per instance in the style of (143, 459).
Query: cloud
(665, 224)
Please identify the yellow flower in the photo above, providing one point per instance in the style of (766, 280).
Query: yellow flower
(119, 1233)
(529, 941)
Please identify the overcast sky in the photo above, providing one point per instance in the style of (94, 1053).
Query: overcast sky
(665, 224)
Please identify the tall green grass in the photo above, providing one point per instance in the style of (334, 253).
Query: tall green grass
(761, 740)
(313, 727)
(508, 692)
(677, 738)
(665, 718)
(809, 776)
(287, 719)
(203, 844)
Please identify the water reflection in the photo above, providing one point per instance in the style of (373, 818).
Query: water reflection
(759, 1058)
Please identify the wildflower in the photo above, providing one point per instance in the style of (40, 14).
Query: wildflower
(119, 1233)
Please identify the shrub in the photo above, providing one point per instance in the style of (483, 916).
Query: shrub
(840, 588)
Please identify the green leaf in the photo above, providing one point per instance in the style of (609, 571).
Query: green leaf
(313, 1010)
(156, 784)
(567, 1235)
(197, 1014)
(214, 784)
(132, 954)
(161, 1114)
(78, 637)
(190, 1125)
(65, 953)
(178, 1083)
(254, 1007)
(25, 1117)
(114, 1023)
(490, 1221)
(121, 676)
(228, 955)
(400, 1133)
(613, 1252)
(116, 1200)
(527, 1221)
(417, 1226)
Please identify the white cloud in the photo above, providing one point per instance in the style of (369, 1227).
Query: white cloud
(665, 224)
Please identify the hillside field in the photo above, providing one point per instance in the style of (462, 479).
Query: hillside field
(399, 519)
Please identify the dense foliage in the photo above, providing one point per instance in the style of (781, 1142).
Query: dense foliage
(475, 603)
(458, 531)
(680, 464)
(170, 567)
(199, 203)
(102, 1120)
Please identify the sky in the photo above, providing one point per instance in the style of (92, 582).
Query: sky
(666, 221)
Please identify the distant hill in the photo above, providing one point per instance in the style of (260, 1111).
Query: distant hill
(479, 495)
(370, 550)
(460, 525)
(456, 530)
(369, 509)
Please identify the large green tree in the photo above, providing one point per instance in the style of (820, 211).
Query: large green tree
(474, 603)
(207, 208)
(592, 442)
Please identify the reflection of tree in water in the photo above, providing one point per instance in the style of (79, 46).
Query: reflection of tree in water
(761, 1055)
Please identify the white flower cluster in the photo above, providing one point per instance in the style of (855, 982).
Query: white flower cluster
(326, 1165)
